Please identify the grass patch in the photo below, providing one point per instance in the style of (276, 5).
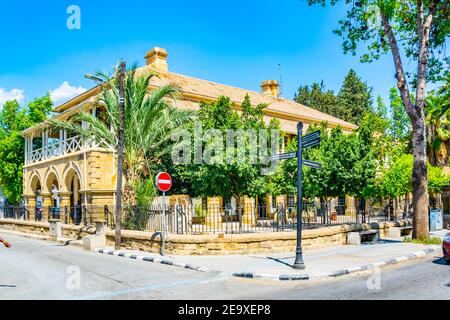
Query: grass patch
(432, 240)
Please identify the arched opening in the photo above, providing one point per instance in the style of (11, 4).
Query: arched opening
(36, 189)
(53, 188)
(73, 185)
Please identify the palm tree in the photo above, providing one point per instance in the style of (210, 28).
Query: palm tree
(150, 119)
(438, 129)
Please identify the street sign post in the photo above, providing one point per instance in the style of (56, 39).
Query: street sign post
(164, 184)
(309, 141)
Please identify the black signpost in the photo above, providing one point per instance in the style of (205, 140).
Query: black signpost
(309, 141)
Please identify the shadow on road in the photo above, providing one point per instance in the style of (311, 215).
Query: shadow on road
(441, 261)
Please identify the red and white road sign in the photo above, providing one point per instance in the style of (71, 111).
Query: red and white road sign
(164, 181)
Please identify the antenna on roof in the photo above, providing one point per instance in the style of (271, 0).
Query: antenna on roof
(280, 91)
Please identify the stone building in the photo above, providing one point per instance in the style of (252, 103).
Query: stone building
(60, 170)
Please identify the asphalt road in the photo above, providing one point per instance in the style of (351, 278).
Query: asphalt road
(35, 269)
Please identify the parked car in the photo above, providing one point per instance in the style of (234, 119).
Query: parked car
(446, 247)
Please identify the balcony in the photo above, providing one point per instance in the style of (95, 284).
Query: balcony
(58, 149)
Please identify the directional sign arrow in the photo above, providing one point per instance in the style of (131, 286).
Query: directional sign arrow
(284, 156)
(311, 143)
(311, 136)
(312, 164)
(311, 140)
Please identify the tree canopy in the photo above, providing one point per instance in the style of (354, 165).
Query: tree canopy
(352, 102)
(13, 120)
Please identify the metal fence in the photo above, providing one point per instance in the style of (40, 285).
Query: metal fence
(200, 219)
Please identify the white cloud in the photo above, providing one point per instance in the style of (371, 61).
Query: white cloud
(14, 94)
(65, 92)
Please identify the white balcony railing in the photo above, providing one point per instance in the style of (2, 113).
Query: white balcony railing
(71, 145)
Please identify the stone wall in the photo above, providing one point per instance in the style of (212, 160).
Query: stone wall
(218, 244)
(225, 244)
(42, 228)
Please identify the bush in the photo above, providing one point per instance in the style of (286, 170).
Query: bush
(423, 240)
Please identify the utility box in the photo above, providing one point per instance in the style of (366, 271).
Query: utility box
(436, 219)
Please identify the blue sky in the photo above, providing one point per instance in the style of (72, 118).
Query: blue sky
(235, 42)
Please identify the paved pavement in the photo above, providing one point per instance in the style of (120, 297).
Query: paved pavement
(320, 263)
(35, 269)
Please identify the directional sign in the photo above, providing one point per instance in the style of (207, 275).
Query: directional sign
(311, 136)
(164, 181)
(284, 156)
(312, 164)
(311, 140)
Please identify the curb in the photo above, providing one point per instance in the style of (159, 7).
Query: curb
(338, 273)
(65, 241)
(167, 262)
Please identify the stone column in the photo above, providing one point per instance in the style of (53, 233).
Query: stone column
(31, 207)
(214, 212)
(249, 212)
(64, 198)
(99, 200)
(55, 229)
(46, 203)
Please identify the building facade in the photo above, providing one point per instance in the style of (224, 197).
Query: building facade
(61, 170)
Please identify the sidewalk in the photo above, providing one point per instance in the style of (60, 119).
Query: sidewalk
(320, 263)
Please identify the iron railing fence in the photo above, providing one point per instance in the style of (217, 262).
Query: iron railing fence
(76, 215)
(199, 219)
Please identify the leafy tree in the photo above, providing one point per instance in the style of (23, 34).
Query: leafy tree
(347, 165)
(354, 98)
(438, 129)
(396, 181)
(400, 124)
(219, 177)
(318, 97)
(13, 120)
(150, 119)
(351, 104)
(417, 28)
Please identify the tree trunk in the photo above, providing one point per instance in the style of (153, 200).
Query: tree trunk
(420, 181)
(416, 115)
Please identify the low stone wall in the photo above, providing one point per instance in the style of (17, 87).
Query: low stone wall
(42, 228)
(218, 244)
(225, 244)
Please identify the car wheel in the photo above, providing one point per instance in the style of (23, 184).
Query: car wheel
(447, 260)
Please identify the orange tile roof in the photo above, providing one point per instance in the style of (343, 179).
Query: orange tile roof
(279, 107)
(195, 90)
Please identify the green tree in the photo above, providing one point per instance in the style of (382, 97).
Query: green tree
(219, 177)
(420, 28)
(396, 180)
(318, 97)
(400, 126)
(438, 129)
(150, 119)
(354, 98)
(13, 120)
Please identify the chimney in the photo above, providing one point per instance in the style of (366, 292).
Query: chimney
(157, 59)
(270, 87)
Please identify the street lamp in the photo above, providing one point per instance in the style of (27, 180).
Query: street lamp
(94, 78)
(120, 147)
(298, 263)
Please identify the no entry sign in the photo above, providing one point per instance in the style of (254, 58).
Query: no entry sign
(164, 181)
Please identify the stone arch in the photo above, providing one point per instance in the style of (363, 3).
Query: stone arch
(70, 170)
(35, 182)
(52, 177)
(72, 183)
